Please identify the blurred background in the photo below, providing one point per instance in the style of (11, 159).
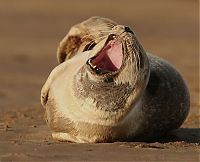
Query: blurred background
(30, 31)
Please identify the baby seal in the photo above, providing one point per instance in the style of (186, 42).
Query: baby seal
(107, 88)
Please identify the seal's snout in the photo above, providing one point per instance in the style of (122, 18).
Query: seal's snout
(121, 29)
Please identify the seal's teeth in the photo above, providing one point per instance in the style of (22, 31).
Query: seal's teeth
(96, 68)
(90, 63)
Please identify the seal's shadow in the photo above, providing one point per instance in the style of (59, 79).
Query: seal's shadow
(188, 135)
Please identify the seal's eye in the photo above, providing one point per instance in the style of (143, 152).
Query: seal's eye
(89, 46)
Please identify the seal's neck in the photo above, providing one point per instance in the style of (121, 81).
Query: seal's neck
(103, 95)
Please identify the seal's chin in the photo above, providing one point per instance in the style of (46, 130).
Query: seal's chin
(109, 58)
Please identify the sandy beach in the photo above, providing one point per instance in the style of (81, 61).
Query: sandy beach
(29, 35)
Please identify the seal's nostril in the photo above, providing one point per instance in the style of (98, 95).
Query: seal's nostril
(127, 29)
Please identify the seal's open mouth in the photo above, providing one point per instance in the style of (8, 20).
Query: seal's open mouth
(110, 57)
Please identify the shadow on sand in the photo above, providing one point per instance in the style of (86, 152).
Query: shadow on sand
(188, 135)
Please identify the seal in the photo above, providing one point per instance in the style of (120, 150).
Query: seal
(107, 88)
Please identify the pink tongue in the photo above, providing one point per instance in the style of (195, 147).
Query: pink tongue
(110, 57)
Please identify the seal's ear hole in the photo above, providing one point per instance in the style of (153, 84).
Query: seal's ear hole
(89, 46)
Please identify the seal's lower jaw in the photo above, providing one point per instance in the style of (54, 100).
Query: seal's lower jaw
(109, 59)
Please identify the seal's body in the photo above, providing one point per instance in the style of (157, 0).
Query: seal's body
(111, 89)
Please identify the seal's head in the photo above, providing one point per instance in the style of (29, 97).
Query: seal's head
(83, 36)
(100, 84)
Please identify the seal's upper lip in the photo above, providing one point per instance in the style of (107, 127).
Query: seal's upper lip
(109, 58)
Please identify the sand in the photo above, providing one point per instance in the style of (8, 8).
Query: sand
(29, 35)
